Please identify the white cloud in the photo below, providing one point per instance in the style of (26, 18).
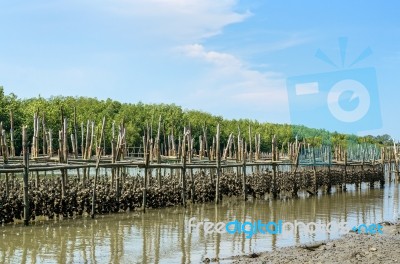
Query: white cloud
(230, 78)
(181, 20)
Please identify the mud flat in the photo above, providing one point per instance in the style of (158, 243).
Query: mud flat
(352, 248)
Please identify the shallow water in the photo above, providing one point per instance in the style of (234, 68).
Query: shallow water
(162, 236)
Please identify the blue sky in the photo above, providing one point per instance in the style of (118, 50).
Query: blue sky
(230, 58)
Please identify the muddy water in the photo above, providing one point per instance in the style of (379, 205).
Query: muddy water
(162, 236)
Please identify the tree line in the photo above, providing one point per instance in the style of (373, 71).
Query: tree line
(139, 117)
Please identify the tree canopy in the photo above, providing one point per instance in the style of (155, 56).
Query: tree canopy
(138, 116)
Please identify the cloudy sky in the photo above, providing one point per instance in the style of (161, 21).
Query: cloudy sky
(226, 57)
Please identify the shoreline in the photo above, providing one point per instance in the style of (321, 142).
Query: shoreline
(351, 248)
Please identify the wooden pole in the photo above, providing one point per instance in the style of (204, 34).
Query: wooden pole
(82, 141)
(89, 155)
(274, 158)
(158, 151)
(50, 143)
(44, 135)
(98, 157)
(113, 155)
(190, 147)
(329, 169)
(250, 151)
(183, 169)
(383, 156)
(315, 189)
(396, 161)
(205, 141)
(230, 139)
(12, 154)
(243, 155)
(218, 157)
(147, 159)
(26, 174)
(87, 140)
(345, 170)
(3, 145)
(75, 142)
(65, 150)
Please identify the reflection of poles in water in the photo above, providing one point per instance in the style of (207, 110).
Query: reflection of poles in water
(157, 240)
(114, 233)
(144, 237)
(389, 199)
(3, 256)
(189, 234)
(83, 246)
(218, 243)
(61, 255)
(113, 245)
(72, 238)
(119, 241)
(273, 218)
(344, 201)
(92, 245)
(329, 208)
(363, 206)
(35, 246)
(396, 204)
(116, 242)
(243, 238)
(313, 215)
(181, 235)
(25, 250)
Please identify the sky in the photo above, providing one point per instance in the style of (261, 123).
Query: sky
(237, 59)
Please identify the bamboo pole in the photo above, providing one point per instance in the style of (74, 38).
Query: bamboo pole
(205, 141)
(315, 189)
(158, 151)
(113, 155)
(12, 153)
(218, 158)
(230, 139)
(61, 160)
(44, 133)
(243, 155)
(26, 174)
(98, 158)
(345, 171)
(75, 142)
(145, 178)
(3, 144)
(274, 158)
(50, 143)
(183, 169)
(191, 142)
(250, 145)
(85, 155)
(89, 155)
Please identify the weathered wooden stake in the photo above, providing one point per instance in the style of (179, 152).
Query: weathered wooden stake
(98, 158)
(147, 159)
(218, 157)
(26, 174)
(243, 155)
(12, 153)
(183, 169)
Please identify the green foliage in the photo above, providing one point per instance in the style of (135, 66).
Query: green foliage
(137, 117)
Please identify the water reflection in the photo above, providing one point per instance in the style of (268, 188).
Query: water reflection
(161, 236)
